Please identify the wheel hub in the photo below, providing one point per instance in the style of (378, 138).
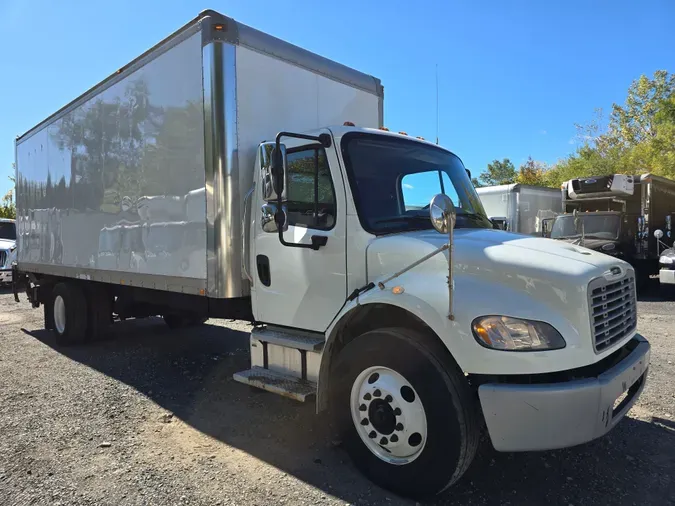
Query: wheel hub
(382, 417)
(59, 314)
(388, 415)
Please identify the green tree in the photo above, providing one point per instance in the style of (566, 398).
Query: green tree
(7, 207)
(498, 172)
(532, 172)
(639, 137)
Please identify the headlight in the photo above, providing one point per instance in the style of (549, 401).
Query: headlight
(666, 260)
(514, 334)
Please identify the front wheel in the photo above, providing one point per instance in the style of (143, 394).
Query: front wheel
(405, 412)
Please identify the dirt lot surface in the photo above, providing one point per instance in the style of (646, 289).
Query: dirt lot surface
(153, 417)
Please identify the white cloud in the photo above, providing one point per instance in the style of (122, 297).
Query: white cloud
(408, 186)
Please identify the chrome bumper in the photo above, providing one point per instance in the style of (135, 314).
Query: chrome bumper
(558, 415)
(667, 276)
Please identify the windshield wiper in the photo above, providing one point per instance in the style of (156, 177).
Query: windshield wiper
(403, 218)
(472, 215)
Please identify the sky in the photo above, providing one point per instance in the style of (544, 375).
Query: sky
(514, 77)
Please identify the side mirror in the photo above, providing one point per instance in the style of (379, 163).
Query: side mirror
(499, 222)
(268, 220)
(279, 170)
(270, 184)
(547, 227)
(442, 213)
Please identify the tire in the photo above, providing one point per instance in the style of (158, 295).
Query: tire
(100, 312)
(48, 310)
(70, 320)
(434, 381)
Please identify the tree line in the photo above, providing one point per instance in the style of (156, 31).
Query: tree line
(637, 137)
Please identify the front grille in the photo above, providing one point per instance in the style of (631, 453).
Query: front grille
(3, 257)
(613, 310)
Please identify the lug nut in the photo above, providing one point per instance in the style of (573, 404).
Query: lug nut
(365, 421)
(377, 393)
(362, 407)
(397, 411)
(383, 441)
(394, 438)
(367, 397)
(388, 398)
(399, 427)
(372, 434)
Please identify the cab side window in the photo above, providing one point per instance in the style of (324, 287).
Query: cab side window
(309, 192)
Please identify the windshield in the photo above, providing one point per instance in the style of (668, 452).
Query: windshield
(394, 179)
(595, 226)
(8, 230)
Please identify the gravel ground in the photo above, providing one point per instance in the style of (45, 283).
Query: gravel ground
(153, 417)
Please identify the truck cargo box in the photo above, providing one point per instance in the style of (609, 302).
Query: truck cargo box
(522, 207)
(141, 180)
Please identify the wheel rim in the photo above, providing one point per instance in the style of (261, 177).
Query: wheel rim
(388, 415)
(59, 314)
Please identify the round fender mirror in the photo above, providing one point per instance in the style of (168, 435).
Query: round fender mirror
(442, 213)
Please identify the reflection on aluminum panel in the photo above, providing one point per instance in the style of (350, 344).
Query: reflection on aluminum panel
(110, 183)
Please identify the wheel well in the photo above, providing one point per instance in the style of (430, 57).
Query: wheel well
(366, 318)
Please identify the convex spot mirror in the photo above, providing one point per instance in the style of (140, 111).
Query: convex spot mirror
(442, 213)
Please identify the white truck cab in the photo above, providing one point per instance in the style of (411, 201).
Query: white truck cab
(364, 258)
(541, 338)
(7, 249)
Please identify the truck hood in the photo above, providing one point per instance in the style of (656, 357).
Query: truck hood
(490, 252)
(594, 244)
(6, 244)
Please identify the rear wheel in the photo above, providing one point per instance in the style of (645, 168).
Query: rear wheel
(100, 311)
(69, 314)
(48, 310)
(406, 415)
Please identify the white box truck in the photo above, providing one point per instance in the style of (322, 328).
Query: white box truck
(208, 179)
(520, 208)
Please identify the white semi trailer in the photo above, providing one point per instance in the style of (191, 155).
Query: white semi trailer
(204, 180)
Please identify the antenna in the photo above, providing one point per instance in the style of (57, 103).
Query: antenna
(437, 104)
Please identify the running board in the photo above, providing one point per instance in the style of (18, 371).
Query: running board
(282, 384)
(299, 340)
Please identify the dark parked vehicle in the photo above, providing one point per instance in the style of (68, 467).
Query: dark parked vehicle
(627, 216)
